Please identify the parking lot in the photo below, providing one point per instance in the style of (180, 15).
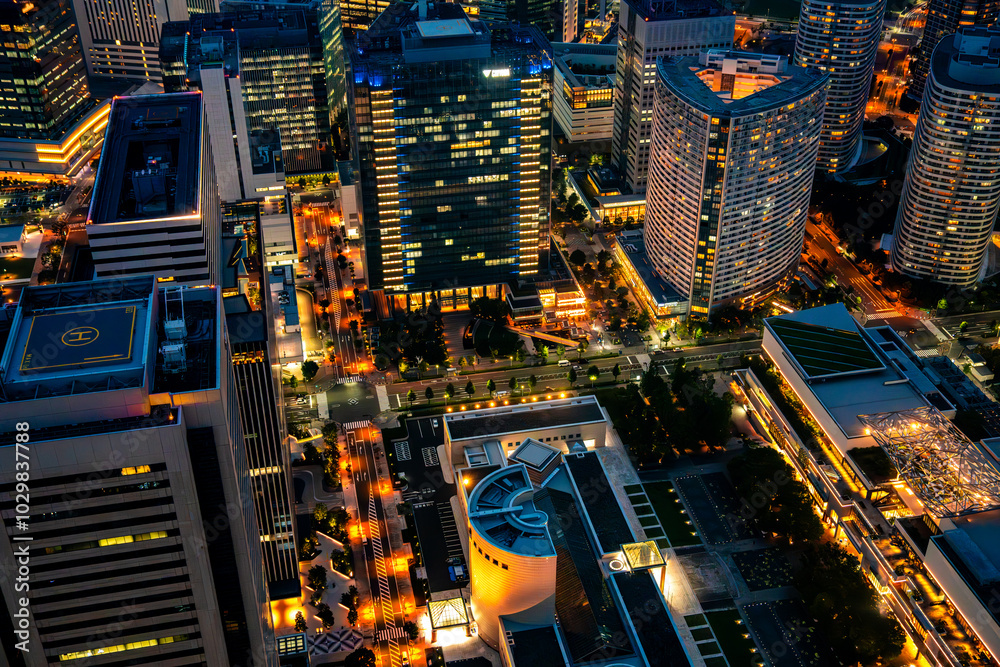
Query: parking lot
(416, 459)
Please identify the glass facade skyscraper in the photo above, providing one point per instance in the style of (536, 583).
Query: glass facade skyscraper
(42, 74)
(453, 120)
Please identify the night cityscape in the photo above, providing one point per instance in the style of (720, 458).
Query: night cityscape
(547, 333)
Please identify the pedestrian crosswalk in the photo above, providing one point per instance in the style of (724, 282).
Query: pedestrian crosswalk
(352, 426)
(882, 315)
(390, 632)
(430, 456)
(349, 378)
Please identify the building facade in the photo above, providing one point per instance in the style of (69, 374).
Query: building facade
(735, 137)
(841, 38)
(647, 30)
(257, 375)
(951, 195)
(453, 123)
(583, 90)
(120, 41)
(143, 538)
(155, 205)
(945, 17)
(271, 89)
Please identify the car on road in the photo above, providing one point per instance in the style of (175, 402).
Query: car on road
(678, 349)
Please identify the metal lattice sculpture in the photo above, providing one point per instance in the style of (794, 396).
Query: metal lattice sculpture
(941, 466)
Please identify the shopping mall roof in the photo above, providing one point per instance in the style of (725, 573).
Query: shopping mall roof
(808, 344)
(522, 417)
(533, 646)
(825, 351)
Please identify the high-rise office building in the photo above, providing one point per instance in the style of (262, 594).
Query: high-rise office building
(951, 193)
(648, 29)
(357, 15)
(583, 90)
(453, 120)
(944, 17)
(42, 75)
(120, 40)
(257, 373)
(546, 15)
(735, 137)
(270, 88)
(143, 542)
(48, 122)
(155, 203)
(841, 37)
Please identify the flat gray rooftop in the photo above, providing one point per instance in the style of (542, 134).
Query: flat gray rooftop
(150, 163)
(522, 418)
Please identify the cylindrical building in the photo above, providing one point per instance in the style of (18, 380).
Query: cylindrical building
(512, 562)
(952, 187)
(734, 142)
(841, 37)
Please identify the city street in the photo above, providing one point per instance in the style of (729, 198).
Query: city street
(875, 305)
(554, 376)
(384, 607)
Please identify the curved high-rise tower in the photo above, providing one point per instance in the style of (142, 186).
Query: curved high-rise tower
(952, 189)
(731, 170)
(841, 37)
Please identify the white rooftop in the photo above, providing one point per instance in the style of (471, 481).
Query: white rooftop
(444, 28)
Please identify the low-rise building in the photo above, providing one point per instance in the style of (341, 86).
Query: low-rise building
(621, 209)
(655, 294)
(926, 533)
(584, 89)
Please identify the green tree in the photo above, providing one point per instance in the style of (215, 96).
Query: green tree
(320, 513)
(512, 384)
(429, 394)
(593, 373)
(491, 387)
(494, 310)
(581, 347)
(463, 362)
(532, 381)
(571, 376)
(962, 327)
(309, 370)
(577, 257)
(616, 371)
(422, 368)
(293, 382)
(411, 396)
(449, 392)
(300, 622)
(470, 388)
(560, 351)
(411, 630)
(325, 614)
(362, 657)
(845, 606)
(773, 500)
(355, 327)
(317, 577)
